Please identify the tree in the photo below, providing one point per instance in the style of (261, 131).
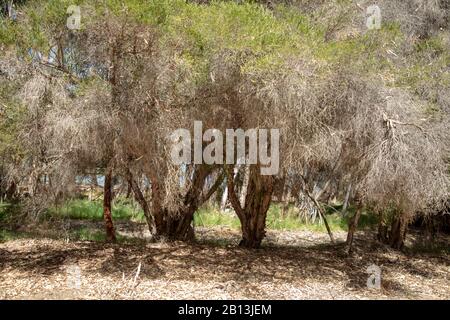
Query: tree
(109, 96)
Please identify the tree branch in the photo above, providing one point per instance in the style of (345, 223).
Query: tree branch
(213, 189)
(232, 194)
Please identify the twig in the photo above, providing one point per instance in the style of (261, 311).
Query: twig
(319, 208)
(136, 276)
(391, 123)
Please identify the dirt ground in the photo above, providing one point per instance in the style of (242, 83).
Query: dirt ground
(291, 265)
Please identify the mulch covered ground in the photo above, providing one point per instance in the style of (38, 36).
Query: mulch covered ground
(291, 265)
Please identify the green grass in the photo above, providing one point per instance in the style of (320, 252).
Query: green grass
(7, 235)
(125, 209)
(86, 234)
(82, 234)
(9, 213)
(211, 217)
(122, 209)
(4, 208)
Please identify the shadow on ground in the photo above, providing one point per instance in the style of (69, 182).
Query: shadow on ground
(222, 261)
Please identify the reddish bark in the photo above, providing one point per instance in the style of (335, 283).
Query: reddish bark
(107, 212)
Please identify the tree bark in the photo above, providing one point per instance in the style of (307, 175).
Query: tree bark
(397, 233)
(175, 226)
(223, 200)
(252, 214)
(382, 234)
(314, 196)
(162, 224)
(11, 191)
(245, 180)
(353, 224)
(139, 197)
(172, 226)
(107, 212)
(129, 189)
(347, 196)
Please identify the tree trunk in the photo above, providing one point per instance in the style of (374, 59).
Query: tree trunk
(93, 186)
(164, 224)
(107, 212)
(245, 178)
(257, 201)
(253, 222)
(175, 226)
(178, 226)
(382, 234)
(129, 189)
(279, 188)
(397, 233)
(353, 224)
(11, 191)
(223, 201)
(322, 214)
(139, 197)
(347, 196)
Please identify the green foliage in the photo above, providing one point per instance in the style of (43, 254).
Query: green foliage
(425, 72)
(11, 115)
(10, 214)
(269, 38)
(432, 45)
